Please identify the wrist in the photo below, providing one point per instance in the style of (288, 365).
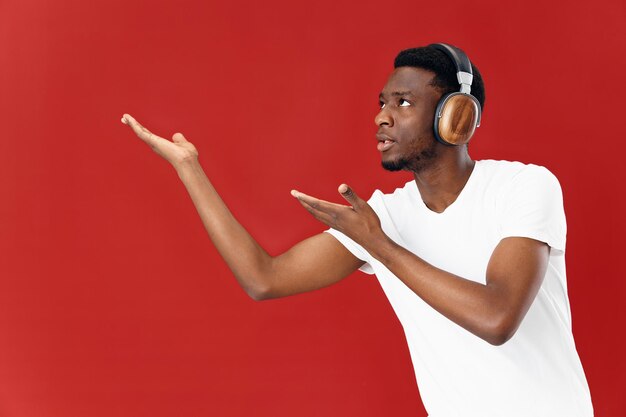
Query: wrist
(382, 248)
(187, 167)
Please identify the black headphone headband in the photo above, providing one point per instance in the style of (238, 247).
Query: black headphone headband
(462, 63)
(461, 60)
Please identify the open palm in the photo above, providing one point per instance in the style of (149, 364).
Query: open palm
(177, 151)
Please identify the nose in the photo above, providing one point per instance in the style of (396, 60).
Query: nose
(383, 118)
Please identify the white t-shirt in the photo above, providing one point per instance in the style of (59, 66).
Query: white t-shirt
(537, 373)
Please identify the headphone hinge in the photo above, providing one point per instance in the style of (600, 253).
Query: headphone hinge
(465, 79)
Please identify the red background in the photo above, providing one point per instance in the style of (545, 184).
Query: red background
(113, 301)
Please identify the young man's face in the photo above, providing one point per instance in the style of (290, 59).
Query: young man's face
(405, 120)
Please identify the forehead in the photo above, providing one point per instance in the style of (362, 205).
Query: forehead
(410, 79)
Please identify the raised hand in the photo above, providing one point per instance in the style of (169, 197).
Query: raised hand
(358, 221)
(177, 152)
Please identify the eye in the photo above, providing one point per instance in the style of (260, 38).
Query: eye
(404, 103)
(381, 105)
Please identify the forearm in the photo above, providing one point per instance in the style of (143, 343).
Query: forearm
(474, 306)
(492, 311)
(248, 261)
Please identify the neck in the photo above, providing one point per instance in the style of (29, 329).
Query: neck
(442, 181)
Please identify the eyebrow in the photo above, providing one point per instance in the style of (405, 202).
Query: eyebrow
(397, 94)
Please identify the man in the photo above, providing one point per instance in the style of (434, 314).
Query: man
(470, 253)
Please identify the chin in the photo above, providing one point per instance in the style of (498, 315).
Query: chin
(394, 164)
(416, 164)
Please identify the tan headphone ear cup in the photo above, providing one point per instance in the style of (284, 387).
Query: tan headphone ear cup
(456, 119)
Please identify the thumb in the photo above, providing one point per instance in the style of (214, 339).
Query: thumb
(347, 193)
(178, 138)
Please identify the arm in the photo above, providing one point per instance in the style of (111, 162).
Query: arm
(491, 311)
(311, 264)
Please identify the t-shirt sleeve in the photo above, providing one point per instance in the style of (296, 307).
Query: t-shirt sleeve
(531, 206)
(356, 249)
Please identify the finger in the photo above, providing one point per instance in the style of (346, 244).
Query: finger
(325, 206)
(323, 217)
(347, 193)
(179, 138)
(143, 133)
(139, 130)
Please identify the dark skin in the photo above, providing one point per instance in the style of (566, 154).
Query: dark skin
(491, 311)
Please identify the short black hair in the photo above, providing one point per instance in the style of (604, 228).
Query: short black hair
(442, 65)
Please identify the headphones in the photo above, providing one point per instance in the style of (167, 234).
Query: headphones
(458, 113)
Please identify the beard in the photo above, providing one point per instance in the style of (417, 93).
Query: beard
(416, 162)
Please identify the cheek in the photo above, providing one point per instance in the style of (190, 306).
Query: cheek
(418, 125)
(427, 114)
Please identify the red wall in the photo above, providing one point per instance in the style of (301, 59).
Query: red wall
(113, 302)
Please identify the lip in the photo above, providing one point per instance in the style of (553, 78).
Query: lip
(384, 142)
(383, 137)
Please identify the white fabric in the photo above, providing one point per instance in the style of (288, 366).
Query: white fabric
(537, 373)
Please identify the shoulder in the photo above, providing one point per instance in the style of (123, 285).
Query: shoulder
(511, 169)
(507, 175)
(400, 196)
(529, 203)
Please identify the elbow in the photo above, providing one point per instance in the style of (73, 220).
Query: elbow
(258, 295)
(255, 286)
(501, 332)
(498, 339)
(259, 292)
